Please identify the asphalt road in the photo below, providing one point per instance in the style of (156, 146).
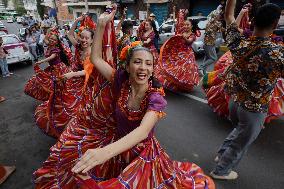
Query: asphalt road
(191, 132)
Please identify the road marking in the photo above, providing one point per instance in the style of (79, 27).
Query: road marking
(194, 97)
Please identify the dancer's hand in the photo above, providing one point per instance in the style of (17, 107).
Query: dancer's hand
(68, 75)
(107, 17)
(90, 159)
(80, 18)
(38, 63)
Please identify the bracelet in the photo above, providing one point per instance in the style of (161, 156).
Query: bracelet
(108, 45)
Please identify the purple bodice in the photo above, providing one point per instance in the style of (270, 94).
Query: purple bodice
(51, 51)
(128, 120)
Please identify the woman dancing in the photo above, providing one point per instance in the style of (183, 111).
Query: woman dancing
(179, 71)
(57, 55)
(139, 161)
(93, 126)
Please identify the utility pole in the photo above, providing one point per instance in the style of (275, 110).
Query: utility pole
(86, 6)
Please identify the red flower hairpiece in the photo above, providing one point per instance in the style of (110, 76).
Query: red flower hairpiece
(125, 51)
(86, 23)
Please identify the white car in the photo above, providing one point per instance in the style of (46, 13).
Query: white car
(167, 30)
(19, 20)
(10, 20)
(2, 33)
(17, 50)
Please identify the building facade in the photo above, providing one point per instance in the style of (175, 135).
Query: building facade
(94, 7)
(30, 6)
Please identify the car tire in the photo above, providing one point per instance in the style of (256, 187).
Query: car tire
(29, 62)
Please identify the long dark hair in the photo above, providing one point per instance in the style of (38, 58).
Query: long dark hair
(153, 24)
(63, 57)
(155, 82)
(194, 25)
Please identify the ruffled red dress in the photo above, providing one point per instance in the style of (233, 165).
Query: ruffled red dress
(178, 68)
(41, 85)
(54, 114)
(146, 165)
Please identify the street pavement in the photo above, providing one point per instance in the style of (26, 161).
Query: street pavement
(191, 132)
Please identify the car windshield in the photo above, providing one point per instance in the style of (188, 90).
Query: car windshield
(2, 33)
(10, 40)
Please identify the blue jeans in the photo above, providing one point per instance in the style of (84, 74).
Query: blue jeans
(247, 128)
(210, 56)
(4, 66)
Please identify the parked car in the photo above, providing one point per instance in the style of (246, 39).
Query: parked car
(19, 20)
(167, 30)
(17, 50)
(10, 20)
(2, 33)
(3, 28)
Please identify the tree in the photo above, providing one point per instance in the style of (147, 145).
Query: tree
(40, 8)
(21, 10)
(5, 2)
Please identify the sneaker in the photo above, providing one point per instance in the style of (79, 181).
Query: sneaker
(217, 158)
(200, 72)
(231, 176)
(11, 73)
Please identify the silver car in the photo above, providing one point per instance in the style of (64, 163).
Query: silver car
(167, 30)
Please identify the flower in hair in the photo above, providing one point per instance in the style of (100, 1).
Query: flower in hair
(125, 51)
(87, 23)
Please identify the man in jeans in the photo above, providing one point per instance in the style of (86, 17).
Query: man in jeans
(258, 64)
(3, 61)
(213, 27)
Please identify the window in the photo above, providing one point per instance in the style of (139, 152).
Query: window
(10, 40)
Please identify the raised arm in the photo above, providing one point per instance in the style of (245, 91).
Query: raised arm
(229, 11)
(96, 54)
(242, 13)
(71, 33)
(98, 156)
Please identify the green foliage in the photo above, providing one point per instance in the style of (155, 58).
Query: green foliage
(21, 10)
(40, 8)
(5, 3)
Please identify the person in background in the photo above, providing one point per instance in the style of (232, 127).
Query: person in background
(36, 33)
(66, 29)
(3, 61)
(46, 21)
(156, 40)
(31, 21)
(281, 20)
(42, 44)
(213, 27)
(31, 41)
